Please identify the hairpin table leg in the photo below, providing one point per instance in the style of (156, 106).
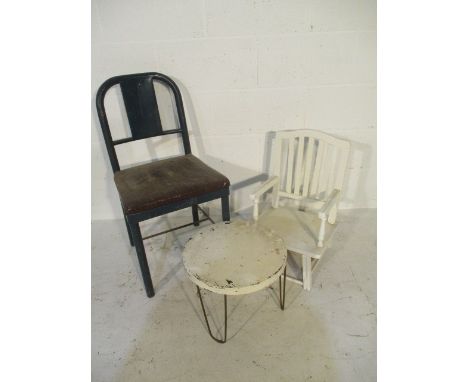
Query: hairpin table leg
(222, 341)
(283, 289)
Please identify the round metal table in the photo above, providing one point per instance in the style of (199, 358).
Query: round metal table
(234, 258)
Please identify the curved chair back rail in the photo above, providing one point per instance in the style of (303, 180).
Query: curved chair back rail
(142, 110)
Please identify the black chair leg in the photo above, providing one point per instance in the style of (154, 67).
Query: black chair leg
(140, 250)
(196, 218)
(225, 208)
(129, 232)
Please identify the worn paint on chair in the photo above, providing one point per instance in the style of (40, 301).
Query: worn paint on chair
(307, 179)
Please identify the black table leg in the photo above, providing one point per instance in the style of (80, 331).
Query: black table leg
(283, 289)
(222, 341)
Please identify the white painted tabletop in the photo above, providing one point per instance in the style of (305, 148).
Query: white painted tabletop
(237, 258)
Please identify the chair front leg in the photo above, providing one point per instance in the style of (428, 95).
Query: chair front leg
(225, 208)
(255, 210)
(275, 196)
(332, 216)
(129, 231)
(321, 235)
(196, 218)
(306, 273)
(143, 261)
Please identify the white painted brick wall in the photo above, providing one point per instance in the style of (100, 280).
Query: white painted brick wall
(246, 68)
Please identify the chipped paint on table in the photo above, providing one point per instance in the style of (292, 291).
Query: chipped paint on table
(234, 258)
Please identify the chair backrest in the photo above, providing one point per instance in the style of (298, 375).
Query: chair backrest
(309, 163)
(142, 110)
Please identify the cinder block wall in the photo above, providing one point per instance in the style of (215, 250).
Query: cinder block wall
(246, 68)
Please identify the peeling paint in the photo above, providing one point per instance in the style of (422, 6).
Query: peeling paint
(235, 259)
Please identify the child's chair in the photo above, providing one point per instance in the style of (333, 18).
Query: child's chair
(308, 169)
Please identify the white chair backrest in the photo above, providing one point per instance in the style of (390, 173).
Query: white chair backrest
(309, 163)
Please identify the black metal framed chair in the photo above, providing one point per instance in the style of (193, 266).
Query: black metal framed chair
(161, 186)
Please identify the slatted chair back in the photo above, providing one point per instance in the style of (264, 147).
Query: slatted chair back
(309, 164)
(142, 110)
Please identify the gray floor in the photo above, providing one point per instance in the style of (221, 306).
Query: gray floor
(327, 334)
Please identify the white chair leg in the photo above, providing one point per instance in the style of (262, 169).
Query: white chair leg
(255, 210)
(274, 197)
(321, 234)
(306, 273)
(332, 216)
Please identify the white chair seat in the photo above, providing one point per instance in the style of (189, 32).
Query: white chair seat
(298, 229)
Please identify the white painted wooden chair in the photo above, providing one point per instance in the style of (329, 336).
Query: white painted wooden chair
(308, 169)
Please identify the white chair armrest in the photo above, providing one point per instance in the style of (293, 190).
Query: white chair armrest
(329, 203)
(270, 183)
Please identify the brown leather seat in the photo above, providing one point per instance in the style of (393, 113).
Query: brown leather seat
(166, 181)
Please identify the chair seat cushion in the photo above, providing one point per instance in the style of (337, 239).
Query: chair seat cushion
(298, 229)
(144, 187)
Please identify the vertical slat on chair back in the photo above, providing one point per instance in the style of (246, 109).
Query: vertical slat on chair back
(141, 106)
(310, 164)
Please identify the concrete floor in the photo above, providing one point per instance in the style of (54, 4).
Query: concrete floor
(327, 334)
